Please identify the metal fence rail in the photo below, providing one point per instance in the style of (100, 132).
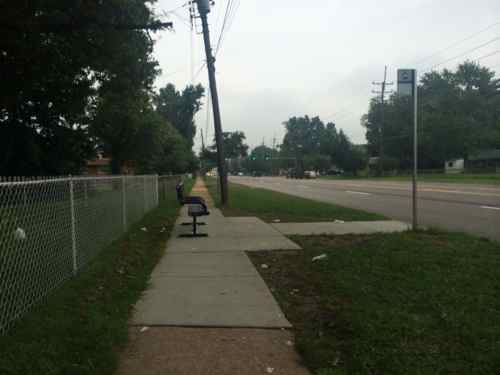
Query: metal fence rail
(51, 228)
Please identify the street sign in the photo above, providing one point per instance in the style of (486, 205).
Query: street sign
(406, 81)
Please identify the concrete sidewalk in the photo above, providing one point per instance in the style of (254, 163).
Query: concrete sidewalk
(208, 311)
(332, 228)
(209, 281)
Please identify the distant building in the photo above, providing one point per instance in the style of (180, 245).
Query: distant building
(101, 166)
(98, 167)
(485, 160)
(454, 166)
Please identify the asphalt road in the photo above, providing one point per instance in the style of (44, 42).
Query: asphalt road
(469, 208)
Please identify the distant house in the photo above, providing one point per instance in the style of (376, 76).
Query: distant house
(98, 167)
(485, 160)
(454, 166)
(101, 166)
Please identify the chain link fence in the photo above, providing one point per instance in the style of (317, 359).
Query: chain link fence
(166, 186)
(51, 228)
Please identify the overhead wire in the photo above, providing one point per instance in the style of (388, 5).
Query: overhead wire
(457, 43)
(463, 53)
(224, 23)
(229, 16)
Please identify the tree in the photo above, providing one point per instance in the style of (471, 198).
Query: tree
(317, 146)
(51, 79)
(117, 124)
(234, 145)
(259, 160)
(179, 108)
(160, 147)
(459, 114)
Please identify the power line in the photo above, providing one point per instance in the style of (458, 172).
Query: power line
(488, 55)
(231, 9)
(199, 71)
(224, 23)
(463, 53)
(454, 44)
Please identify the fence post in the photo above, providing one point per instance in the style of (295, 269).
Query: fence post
(73, 225)
(157, 192)
(124, 203)
(144, 191)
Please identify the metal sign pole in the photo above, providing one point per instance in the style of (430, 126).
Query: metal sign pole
(415, 149)
(408, 86)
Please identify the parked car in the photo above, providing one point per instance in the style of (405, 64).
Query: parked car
(335, 172)
(310, 174)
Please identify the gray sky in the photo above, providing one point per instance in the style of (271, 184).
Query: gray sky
(317, 57)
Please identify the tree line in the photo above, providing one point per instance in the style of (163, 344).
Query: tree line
(308, 144)
(77, 81)
(459, 115)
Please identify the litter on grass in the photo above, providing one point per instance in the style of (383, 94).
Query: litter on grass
(264, 266)
(144, 229)
(20, 234)
(319, 257)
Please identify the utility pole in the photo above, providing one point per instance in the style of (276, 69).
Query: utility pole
(202, 141)
(382, 93)
(272, 154)
(204, 9)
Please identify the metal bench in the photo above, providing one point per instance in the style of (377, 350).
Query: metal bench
(197, 207)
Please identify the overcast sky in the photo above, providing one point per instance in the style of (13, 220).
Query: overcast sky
(291, 58)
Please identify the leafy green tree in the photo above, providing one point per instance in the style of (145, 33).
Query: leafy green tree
(259, 160)
(459, 114)
(179, 108)
(317, 146)
(234, 145)
(55, 58)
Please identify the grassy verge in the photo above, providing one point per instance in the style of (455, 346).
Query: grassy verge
(270, 205)
(410, 303)
(81, 327)
(487, 179)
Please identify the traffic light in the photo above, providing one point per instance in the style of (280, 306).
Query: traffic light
(268, 157)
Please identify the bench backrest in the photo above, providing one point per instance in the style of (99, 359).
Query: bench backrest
(179, 188)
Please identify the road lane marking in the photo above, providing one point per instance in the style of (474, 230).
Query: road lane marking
(408, 188)
(490, 208)
(357, 192)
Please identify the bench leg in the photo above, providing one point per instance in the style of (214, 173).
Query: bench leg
(195, 233)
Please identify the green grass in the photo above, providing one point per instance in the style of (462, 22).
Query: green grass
(270, 205)
(82, 326)
(409, 303)
(488, 179)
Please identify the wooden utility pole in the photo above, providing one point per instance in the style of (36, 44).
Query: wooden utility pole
(382, 93)
(204, 9)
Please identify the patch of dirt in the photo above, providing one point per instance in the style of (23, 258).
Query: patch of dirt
(210, 351)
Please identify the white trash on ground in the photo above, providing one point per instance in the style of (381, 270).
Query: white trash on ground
(264, 266)
(20, 234)
(319, 257)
